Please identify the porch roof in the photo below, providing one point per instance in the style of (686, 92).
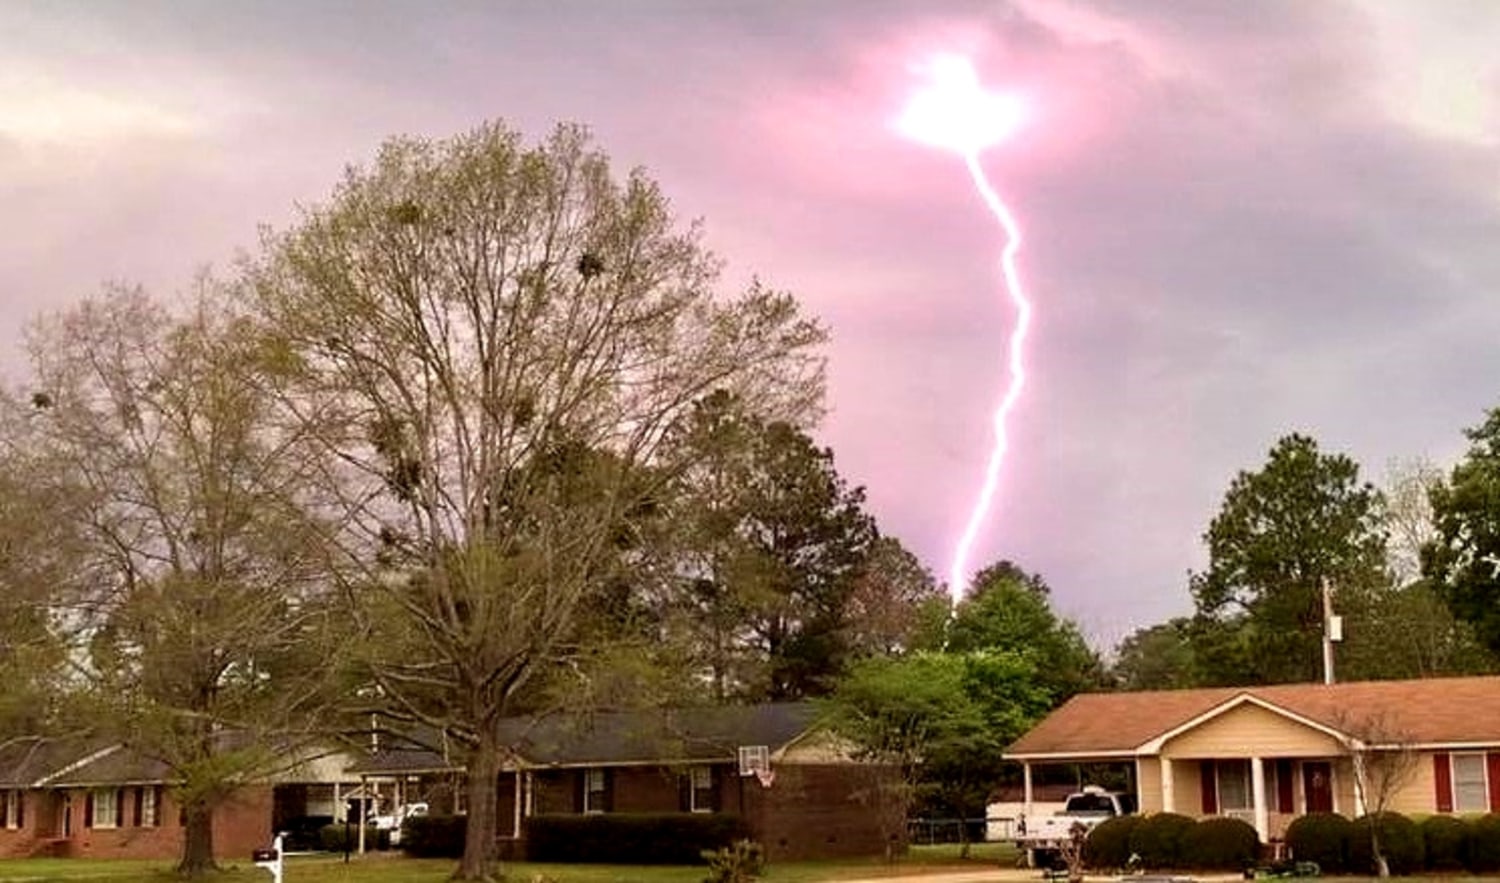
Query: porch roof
(1435, 712)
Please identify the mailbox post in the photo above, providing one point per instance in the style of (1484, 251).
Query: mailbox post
(270, 859)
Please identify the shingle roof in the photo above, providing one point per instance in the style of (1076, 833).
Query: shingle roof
(1430, 711)
(26, 760)
(612, 738)
(120, 766)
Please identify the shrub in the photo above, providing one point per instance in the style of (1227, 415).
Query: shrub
(1484, 843)
(1108, 846)
(740, 862)
(1321, 837)
(1221, 844)
(332, 838)
(1157, 839)
(1400, 842)
(1446, 840)
(433, 836)
(634, 838)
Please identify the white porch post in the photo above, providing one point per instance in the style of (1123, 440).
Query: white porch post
(1168, 796)
(1025, 789)
(515, 828)
(1258, 794)
(364, 810)
(338, 811)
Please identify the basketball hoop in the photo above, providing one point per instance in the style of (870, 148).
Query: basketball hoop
(765, 776)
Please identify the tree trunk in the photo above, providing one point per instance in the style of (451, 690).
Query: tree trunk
(480, 828)
(197, 840)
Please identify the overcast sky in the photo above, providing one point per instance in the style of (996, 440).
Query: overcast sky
(1244, 218)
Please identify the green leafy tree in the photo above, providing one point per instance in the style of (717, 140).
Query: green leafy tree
(893, 601)
(1409, 632)
(1158, 657)
(491, 342)
(199, 629)
(1009, 610)
(772, 545)
(935, 723)
(1304, 518)
(1462, 560)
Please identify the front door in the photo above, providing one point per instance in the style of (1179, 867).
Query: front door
(1317, 786)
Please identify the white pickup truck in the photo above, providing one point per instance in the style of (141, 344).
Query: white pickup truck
(1040, 836)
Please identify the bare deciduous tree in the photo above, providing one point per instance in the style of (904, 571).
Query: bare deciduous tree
(490, 341)
(1384, 763)
(198, 633)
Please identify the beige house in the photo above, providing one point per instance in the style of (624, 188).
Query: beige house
(1270, 754)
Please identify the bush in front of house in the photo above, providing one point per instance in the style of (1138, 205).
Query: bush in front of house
(1484, 843)
(631, 838)
(1221, 844)
(1108, 846)
(740, 862)
(433, 836)
(1321, 837)
(1400, 843)
(1446, 843)
(333, 838)
(1158, 838)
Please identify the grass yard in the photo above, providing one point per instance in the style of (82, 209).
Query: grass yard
(382, 868)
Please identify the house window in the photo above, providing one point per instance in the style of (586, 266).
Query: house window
(1471, 791)
(145, 808)
(1234, 786)
(10, 810)
(106, 808)
(593, 790)
(702, 791)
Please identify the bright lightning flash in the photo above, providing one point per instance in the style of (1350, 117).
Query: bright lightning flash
(956, 113)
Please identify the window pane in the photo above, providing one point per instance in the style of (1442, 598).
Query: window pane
(1234, 784)
(148, 807)
(1470, 793)
(104, 809)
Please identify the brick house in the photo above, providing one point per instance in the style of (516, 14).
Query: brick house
(1270, 754)
(806, 803)
(89, 799)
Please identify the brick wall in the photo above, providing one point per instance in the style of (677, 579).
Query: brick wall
(21, 841)
(815, 811)
(242, 825)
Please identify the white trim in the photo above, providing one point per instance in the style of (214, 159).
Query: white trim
(1071, 756)
(1437, 746)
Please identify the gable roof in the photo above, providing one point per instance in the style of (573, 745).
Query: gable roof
(28, 761)
(683, 735)
(1429, 712)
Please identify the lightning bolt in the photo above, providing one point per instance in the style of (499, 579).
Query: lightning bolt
(956, 113)
(958, 575)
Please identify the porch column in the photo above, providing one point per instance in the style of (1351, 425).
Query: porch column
(1357, 765)
(1258, 794)
(364, 810)
(1168, 801)
(1025, 789)
(338, 808)
(516, 799)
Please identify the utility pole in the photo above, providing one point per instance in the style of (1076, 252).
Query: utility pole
(1333, 631)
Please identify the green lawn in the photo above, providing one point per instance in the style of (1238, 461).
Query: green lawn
(382, 868)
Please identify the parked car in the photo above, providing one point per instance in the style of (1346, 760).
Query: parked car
(393, 821)
(1041, 836)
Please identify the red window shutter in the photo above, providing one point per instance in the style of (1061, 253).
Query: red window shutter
(4, 802)
(140, 799)
(21, 810)
(1285, 788)
(1492, 761)
(1442, 777)
(88, 810)
(1209, 785)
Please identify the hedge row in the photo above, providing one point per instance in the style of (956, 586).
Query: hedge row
(633, 838)
(1438, 843)
(614, 838)
(1170, 841)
